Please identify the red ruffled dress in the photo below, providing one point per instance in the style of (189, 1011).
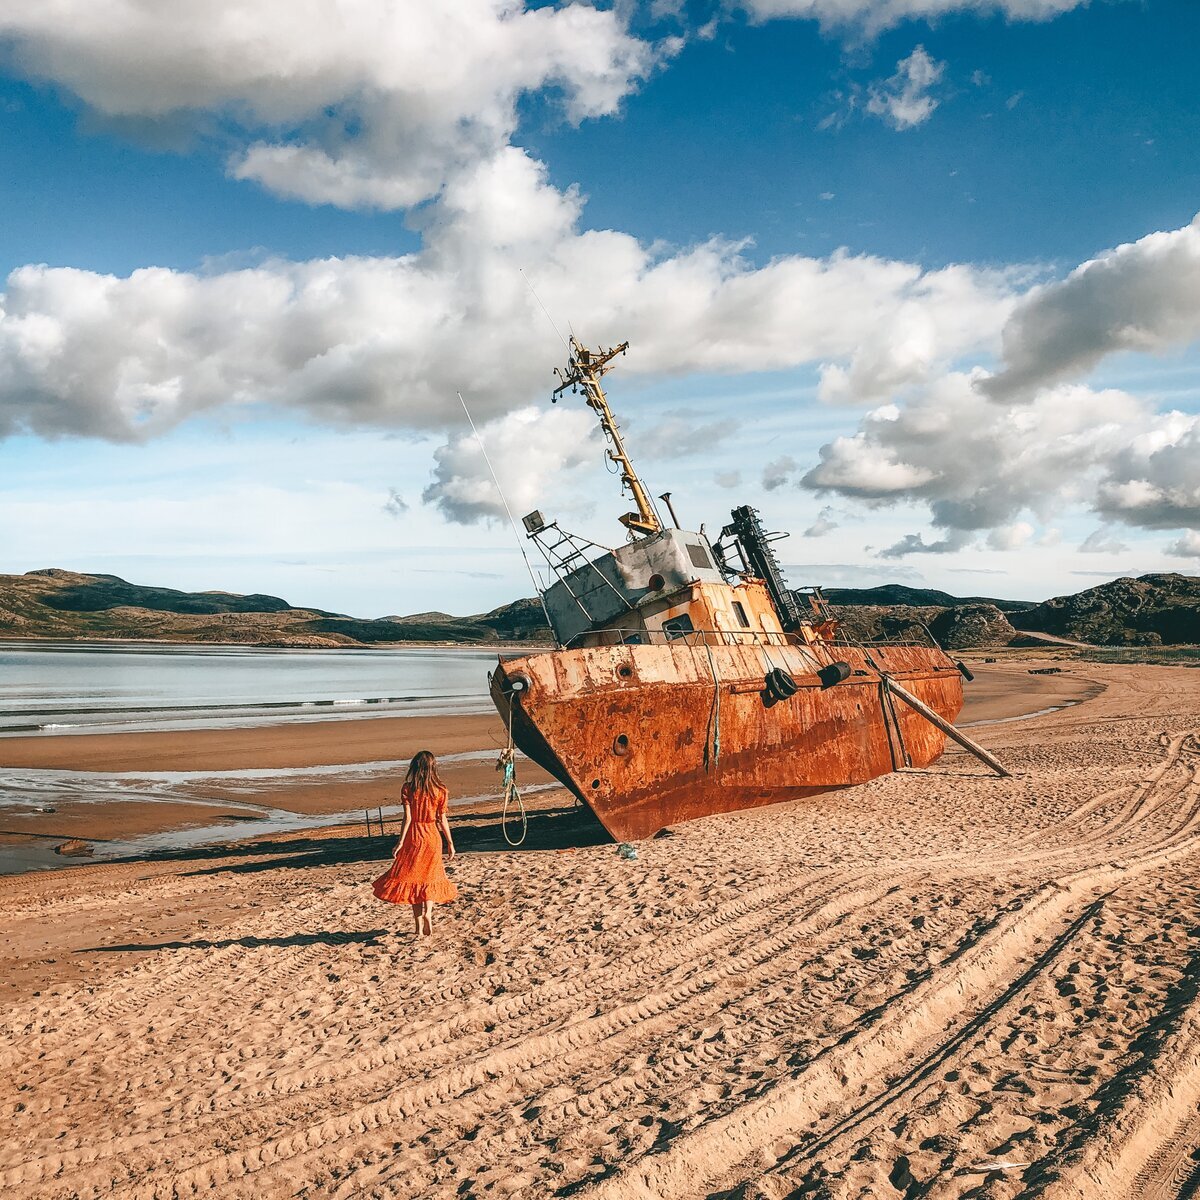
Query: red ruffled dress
(417, 872)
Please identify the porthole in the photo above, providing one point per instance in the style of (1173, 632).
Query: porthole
(625, 670)
(621, 745)
(657, 583)
(595, 783)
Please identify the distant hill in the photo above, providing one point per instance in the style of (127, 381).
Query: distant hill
(53, 603)
(897, 593)
(956, 626)
(1151, 610)
(70, 605)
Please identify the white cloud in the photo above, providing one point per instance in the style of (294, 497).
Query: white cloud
(873, 16)
(980, 466)
(825, 523)
(682, 434)
(395, 505)
(779, 472)
(914, 543)
(1154, 480)
(1010, 537)
(350, 102)
(1102, 541)
(386, 342)
(1142, 296)
(904, 100)
(1187, 546)
(533, 453)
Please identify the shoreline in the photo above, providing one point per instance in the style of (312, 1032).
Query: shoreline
(933, 977)
(157, 788)
(142, 643)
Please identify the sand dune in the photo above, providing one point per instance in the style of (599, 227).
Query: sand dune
(938, 984)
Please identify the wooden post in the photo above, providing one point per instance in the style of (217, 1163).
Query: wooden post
(949, 730)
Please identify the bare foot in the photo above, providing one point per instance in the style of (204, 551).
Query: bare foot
(427, 926)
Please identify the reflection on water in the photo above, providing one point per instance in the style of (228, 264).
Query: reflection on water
(90, 688)
(49, 690)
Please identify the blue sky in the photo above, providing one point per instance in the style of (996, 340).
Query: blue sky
(868, 264)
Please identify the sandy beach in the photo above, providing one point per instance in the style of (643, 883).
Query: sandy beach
(941, 983)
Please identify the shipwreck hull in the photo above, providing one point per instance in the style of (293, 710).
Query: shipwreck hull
(648, 736)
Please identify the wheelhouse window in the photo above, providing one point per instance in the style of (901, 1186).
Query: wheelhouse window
(739, 611)
(678, 627)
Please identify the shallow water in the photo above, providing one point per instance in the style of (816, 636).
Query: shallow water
(88, 688)
(255, 820)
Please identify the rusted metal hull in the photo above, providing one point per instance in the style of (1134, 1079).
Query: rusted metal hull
(648, 736)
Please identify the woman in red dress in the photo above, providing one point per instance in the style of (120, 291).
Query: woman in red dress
(416, 875)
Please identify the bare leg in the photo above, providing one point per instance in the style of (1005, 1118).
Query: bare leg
(417, 919)
(427, 918)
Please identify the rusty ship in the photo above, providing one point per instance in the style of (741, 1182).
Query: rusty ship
(690, 679)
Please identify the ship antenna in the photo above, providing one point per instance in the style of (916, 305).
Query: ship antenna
(584, 370)
(537, 587)
(544, 308)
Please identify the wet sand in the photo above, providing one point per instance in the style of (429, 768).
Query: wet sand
(941, 983)
(999, 692)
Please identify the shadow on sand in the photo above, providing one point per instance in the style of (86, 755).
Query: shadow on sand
(474, 833)
(325, 938)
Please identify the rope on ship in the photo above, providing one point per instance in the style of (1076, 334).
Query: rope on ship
(508, 764)
(712, 735)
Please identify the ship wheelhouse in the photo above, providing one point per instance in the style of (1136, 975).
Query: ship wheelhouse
(664, 587)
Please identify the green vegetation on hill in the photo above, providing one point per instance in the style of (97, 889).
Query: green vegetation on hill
(69, 605)
(889, 594)
(1152, 610)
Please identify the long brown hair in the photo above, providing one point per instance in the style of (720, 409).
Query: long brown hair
(423, 774)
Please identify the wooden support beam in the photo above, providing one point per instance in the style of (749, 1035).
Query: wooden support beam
(949, 730)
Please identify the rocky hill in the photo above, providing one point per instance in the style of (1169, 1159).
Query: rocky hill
(890, 594)
(69, 605)
(1151, 610)
(956, 627)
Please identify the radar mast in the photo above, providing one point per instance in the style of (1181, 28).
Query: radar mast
(584, 370)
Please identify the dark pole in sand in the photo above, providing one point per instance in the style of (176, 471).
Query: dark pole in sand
(961, 738)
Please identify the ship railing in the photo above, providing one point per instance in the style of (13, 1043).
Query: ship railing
(723, 637)
(843, 639)
(689, 637)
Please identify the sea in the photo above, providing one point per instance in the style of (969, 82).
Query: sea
(89, 688)
(51, 690)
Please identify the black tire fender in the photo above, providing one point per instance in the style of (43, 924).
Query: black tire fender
(833, 674)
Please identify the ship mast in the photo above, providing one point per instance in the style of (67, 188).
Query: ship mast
(584, 369)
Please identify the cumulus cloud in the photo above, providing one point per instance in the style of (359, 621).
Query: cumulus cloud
(386, 342)
(980, 466)
(1010, 537)
(914, 543)
(728, 479)
(533, 452)
(1102, 541)
(1144, 296)
(1187, 546)
(825, 523)
(779, 472)
(681, 435)
(904, 100)
(395, 505)
(359, 103)
(1154, 480)
(874, 16)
